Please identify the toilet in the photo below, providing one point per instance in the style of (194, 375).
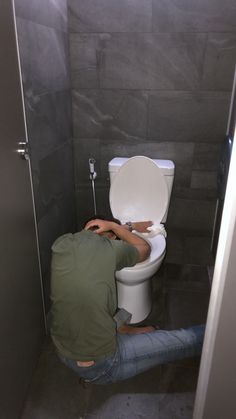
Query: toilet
(140, 190)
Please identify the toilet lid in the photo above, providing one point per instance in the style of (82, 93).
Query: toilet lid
(139, 191)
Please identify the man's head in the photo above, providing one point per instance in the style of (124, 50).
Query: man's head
(109, 233)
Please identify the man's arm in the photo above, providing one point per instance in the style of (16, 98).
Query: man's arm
(122, 233)
(140, 226)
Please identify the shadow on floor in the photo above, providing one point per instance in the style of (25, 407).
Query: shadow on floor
(180, 298)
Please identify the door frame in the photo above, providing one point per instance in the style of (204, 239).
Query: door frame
(215, 396)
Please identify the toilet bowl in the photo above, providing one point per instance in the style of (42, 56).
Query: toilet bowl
(136, 274)
(140, 191)
(133, 284)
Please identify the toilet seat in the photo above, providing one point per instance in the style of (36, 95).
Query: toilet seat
(139, 191)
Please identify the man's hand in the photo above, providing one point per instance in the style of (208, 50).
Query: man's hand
(99, 226)
(141, 226)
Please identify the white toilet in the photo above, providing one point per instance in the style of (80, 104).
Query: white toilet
(140, 190)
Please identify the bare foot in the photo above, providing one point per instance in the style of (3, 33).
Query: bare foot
(132, 330)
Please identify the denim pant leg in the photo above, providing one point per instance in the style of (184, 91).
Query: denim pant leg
(99, 373)
(138, 353)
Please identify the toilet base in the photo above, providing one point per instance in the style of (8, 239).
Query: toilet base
(136, 299)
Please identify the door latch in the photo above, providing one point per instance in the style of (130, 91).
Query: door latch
(23, 150)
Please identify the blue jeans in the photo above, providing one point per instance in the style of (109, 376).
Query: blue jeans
(138, 353)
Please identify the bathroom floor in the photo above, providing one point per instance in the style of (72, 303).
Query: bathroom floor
(180, 298)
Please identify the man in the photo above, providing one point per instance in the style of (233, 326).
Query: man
(84, 303)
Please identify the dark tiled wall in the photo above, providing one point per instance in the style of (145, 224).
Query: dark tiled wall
(43, 43)
(154, 78)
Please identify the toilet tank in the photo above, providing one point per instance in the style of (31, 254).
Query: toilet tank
(167, 168)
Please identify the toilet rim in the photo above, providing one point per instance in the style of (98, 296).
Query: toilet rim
(158, 248)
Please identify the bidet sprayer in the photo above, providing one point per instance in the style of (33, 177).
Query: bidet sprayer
(93, 174)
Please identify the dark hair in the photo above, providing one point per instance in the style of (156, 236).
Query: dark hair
(102, 217)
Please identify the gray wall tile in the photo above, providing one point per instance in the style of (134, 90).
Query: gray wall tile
(191, 215)
(203, 180)
(85, 205)
(109, 114)
(44, 57)
(53, 177)
(45, 12)
(194, 16)
(137, 61)
(189, 247)
(197, 250)
(186, 277)
(152, 61)
(188, 116)
(85, 50)
(175, 247)
(48, 121)
(110, 16)
(187, 192)
(184, 310)
(206, 156)
(220, 59)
